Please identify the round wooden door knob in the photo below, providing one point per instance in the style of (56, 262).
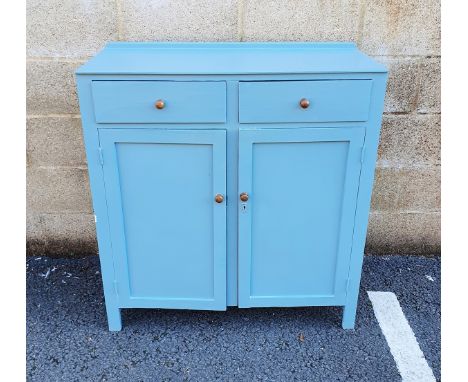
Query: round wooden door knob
(304, 103)
(244, 196)
(219, 198)
(159, 104)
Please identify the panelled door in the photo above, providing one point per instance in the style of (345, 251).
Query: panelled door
(298, 189)
(167, 216)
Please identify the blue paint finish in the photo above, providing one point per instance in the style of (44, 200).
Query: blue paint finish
(295, 231)
(364, 199)
(231, 193)
(168, 234)
(330, 101)
(134, 102)
(229, 58)
(96, 180)
(231, 124)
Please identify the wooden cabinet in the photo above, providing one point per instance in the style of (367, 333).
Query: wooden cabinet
(231, 174)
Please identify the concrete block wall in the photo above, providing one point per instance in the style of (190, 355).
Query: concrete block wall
(403, 34)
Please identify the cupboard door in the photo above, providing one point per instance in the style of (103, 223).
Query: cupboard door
(296, 227)
(167, 230)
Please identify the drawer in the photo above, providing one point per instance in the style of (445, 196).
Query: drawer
(182, 102)
(328, 101)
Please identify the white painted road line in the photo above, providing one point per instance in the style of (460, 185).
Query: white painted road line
(400, 337)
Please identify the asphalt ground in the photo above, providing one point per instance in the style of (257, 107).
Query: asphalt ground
(68, 340)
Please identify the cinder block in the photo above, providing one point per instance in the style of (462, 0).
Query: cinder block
(311, 20)
(410, 140)
(429, 93)
(403, 233)
(34, 226)
(416, 190)
(57, 189)
(401, 27)
(61, 235)
(206, 20)
(69, 28)
(50, 87)
(35, 238)
(69, 227)
(55, 142)
(402, 86)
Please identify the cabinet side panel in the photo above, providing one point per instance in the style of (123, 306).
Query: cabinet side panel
(364, 198)
(96, 180)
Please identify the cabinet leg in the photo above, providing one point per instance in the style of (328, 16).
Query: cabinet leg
(349, 316)
(114, 318)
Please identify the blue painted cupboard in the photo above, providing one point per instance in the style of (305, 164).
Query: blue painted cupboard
(231, 174)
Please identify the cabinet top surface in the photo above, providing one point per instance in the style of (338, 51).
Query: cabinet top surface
(229, 58)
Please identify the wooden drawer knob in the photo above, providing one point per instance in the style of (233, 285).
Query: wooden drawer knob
(304, 103)
(159, 104)
(244, 196)
(219, 198)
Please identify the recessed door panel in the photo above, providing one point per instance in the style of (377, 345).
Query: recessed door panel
(295, 229)
(168, 232)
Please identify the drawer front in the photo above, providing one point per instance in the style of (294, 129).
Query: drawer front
(328, 101)
(182, 102)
